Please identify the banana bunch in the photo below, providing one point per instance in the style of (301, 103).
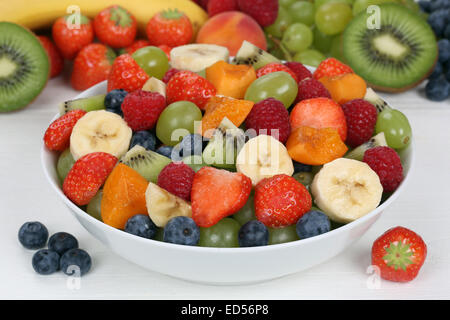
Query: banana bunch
(40, 14)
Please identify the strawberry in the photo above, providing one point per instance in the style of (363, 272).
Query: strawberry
(280, 201)
(170, 27)
(115, 27)
(166, 49)
(70, 38)
(55, 57)
(209, 205)
(87, 175)
(91, 66)
(331, 67)
(126, 74)
(136, 45)
(265, 12)
(399, 253)
(218, 6)
(274, 67)
(57, 135)
(189, 86)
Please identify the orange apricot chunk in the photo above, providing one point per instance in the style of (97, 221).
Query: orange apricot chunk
(346, 87)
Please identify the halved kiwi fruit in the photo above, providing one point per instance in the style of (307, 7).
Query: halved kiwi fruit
(87, 104)
(24, 67)
(395, 55)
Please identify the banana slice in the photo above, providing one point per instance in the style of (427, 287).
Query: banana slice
(264, 156)
(163, 206)
(155, 85)
(196, 57)
(346, 189)
(100, 131)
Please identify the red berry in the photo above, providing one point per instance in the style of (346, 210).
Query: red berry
(91, 66)
(57, 135)
(177, 179)
(331, 67)
(270, 114)
(115, 27)
(136, 45)
(399, 253)
(171, 27)
(265, 12)
(387, 164)
(166, 49)
(299, 69)
(169, 74)
(189, 86)
(70, 38)
(126, 74)
(311, 88)
(141, 109)
(87, 176)
(361, 117)
(280, 201)
(217, 194)
(219, 6)
(274, 67)
(55, 57)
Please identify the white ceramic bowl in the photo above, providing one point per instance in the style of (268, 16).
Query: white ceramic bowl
(222, 265)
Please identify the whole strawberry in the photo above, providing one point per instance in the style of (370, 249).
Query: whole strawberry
(141, 109)
(91, 66)
(386, 163)
(299, 69)
(126, 74)
(71, 38)
(55, 57)
(171, 27)
(115, 27)
(166, 49)
(280, 201)
(361, 117)
(310, 88)
(331, 67)
(218, 6)
(274, 67)
(189, 86)
(265, 12)
(87, 175)
(57, 135)
(399, 253)
(136, 45)
(177, 178)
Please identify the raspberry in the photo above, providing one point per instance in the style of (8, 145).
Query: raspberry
(269, 114)
(386, 163)
(219, 6)
(361, 117)
(177, 178)
(274, 67)
(299, 69)
(169, 74)
(141, 109)
(265, 12)
(310, 88)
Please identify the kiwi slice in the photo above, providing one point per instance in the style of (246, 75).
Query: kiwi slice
(87, 104)
(146, 162)
(375, 141)
(251, 55)
(24, 67)
(395, 55)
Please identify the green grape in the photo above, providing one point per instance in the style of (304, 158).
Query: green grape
(247, 212)
(310, 57)
(297, 37)
(336, 50)
(153, 60)
(318, 3)
(396, 128)
(195, 162)
(279, 85)
(303, 12)
(178, 115)
(283, 235)
(286, 3)
(94, 206)
(305, 178)
(223, 234)
(322, 42)
(332, 18)
(283, 21)
(64, 164)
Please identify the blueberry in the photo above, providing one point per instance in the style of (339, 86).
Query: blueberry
(437, 71)
(45, 261)
(165, 151)
(425, 5)
(75, 262)
(300, 167)
(141, 225)
(252, 234)
(447, 31)
(437, 89)
(191, 144)
(439, 4)
(312, 224)
(437, 21)
(145, 139)
(447, 75)
(33, 235)
(61, 242)
(114, 99)
(444, 50)
(181, 230)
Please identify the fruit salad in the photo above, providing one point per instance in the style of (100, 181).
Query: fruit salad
(210, 151)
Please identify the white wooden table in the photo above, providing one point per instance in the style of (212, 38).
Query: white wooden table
(25, 195)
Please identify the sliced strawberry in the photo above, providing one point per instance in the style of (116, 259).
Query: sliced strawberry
(126, 74)
(217, 194)
(399, 253)
(57, 135)
(331, 67)
(87, 176)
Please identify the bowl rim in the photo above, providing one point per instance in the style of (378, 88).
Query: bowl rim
(245, 250)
